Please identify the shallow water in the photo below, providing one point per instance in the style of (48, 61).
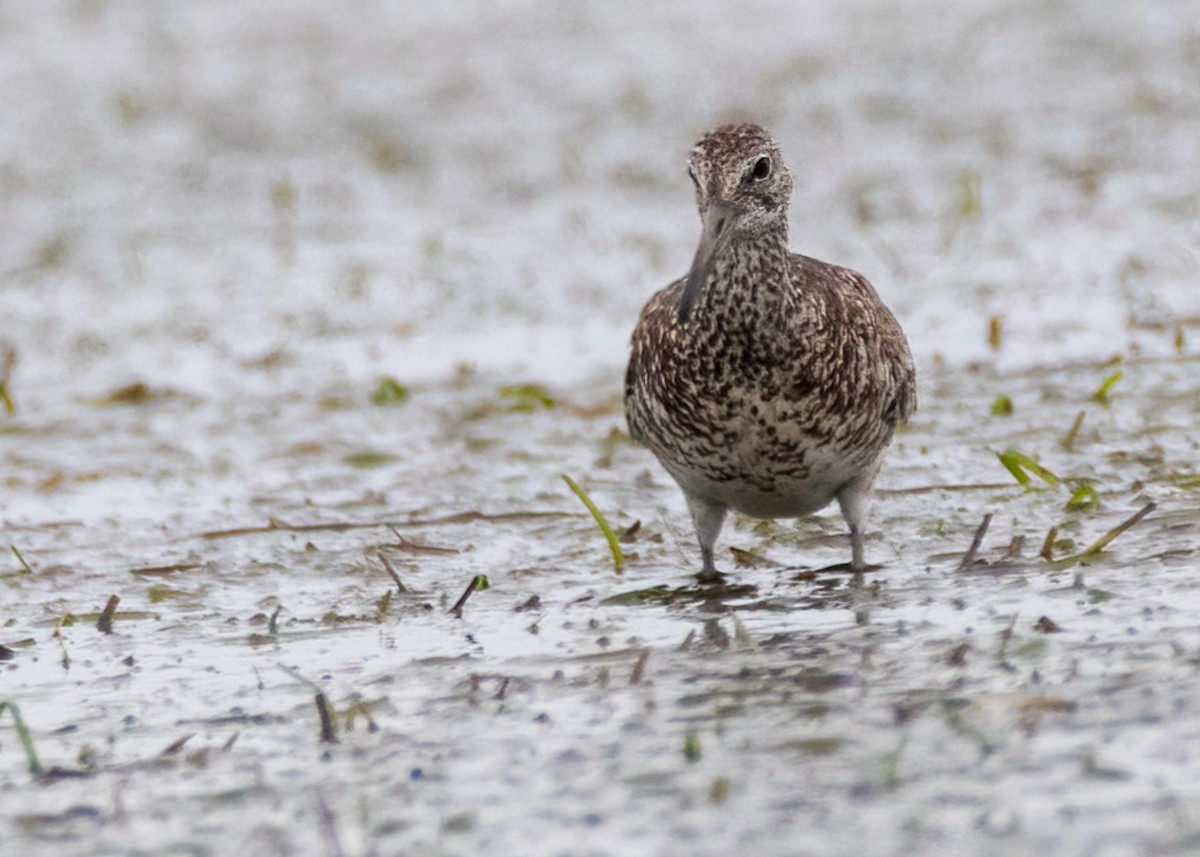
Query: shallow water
(259, 213)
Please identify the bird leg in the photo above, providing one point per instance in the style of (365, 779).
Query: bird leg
(708, 518)
(852, 500)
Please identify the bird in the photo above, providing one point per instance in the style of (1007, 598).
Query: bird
(764, 381)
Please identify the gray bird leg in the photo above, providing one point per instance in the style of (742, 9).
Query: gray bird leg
(853, 500)
(708, 518)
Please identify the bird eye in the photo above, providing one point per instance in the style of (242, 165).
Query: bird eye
(695, 180)
(762, 168)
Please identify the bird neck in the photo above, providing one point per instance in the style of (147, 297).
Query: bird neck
(752, 271)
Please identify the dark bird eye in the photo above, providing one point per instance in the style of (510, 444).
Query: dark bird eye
(762, 168)
(692, 176)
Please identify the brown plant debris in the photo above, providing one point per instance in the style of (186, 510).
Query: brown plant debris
(105, 622)
(969, 557)
(387, 564)
(325, 712)
(478, 583)
(277, 526)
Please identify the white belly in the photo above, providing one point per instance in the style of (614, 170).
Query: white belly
(780, 496)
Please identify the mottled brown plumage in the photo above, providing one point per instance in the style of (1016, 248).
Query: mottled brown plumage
(764, 381)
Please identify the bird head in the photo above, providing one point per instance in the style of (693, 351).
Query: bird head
(742, 188)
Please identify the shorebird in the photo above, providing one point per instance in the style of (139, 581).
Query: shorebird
(764, 381)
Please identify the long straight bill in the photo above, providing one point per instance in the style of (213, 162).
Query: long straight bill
(714, 235)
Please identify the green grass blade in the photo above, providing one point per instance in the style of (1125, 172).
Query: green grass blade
(389, 393)
(35, 766)
(24, 564)
(613, 544)
(1011, 465)
(1083, 498)
(1101, 394)
(1017, 463)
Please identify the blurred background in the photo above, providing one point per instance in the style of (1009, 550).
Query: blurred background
(187, 185)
